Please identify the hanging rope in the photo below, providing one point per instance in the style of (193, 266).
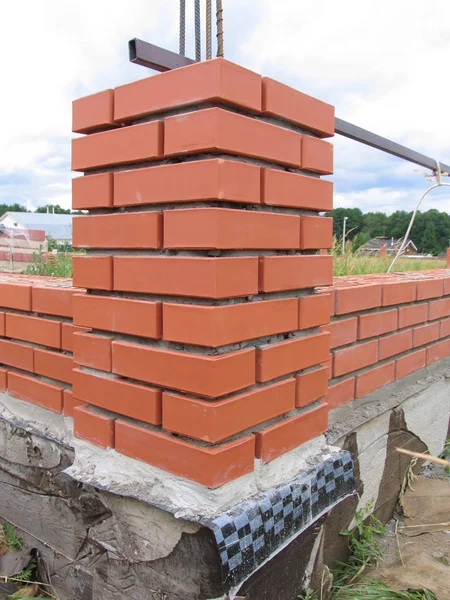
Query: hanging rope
(219, 18)
(198, 42)
(208, 30)
(439, 183)
(182, 27)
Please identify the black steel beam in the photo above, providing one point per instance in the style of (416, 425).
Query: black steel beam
(159, 59)
(368, 138)
(154, 57)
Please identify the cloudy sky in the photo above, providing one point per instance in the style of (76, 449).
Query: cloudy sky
(382, 63)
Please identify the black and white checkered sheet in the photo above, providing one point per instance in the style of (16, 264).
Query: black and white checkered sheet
(251, 532)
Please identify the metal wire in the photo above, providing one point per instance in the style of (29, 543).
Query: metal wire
(219, 19)
(208, 30)
(183, 27)
(198, 41)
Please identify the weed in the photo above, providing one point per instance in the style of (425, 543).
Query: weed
(11, 538)
(349, 580)
(58, 265)
(446, 455)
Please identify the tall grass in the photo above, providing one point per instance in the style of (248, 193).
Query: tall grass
(354, 263)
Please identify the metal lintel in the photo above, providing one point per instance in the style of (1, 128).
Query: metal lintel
(368, 138)
(154, 57)
(151, 56)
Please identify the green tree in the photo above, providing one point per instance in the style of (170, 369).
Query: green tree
(354, 221)
(429, 240)
(375, 223)
(56, 208)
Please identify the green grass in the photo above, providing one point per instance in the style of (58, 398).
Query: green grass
(354, 264)
(40, 265)
(349, 579)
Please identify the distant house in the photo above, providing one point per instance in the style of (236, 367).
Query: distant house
(391, 245)
(59, 227)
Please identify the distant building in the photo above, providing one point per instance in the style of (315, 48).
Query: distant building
(387, 246)
(59, 227)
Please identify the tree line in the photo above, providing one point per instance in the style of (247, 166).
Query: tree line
(56, 208)
(430, 232)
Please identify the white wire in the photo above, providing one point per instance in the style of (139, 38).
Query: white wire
(405, 239)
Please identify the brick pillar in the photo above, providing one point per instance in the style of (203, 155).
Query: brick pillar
(203, 247)
(383, 252)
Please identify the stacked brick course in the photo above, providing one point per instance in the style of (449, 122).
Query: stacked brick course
(203, 191)
(385, 327)
(36, 340)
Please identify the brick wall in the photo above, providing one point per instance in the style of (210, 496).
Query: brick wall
(203, 189)
(385, 327)
(199, 319)
(36, 340)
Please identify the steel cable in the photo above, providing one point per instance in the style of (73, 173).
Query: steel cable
(198, 43)
(208, 30)
(219, 18)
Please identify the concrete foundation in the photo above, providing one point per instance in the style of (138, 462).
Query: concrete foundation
(106, 528)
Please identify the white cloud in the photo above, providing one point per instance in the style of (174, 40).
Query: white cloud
(381, 63)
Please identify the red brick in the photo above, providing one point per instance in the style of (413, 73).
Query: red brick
(290, 433)
(127, 145)
(70, 403)
(280, 100)
(3, 380)
(353, 299)
(317, 155)
(316, 232)
(292, 355)
(444, 330)
(224, 228)
(136, 317)
(294, 272)
(34, 390)
(200, 180)
(341, 392)
(215, 421)
(2, 324)
(94, 112)
(425, 334)
(216, 80)
(93, 426)
(53, 365)
(92, 191)
(311, 386)
(209, 466)
(354, 358)
(409, 363)
(16, 355)
(94, 272)
(447, 281)
(200, 277)
(375, 378)
(342, 332)
(119, 230)
(396, 343)
(399, 293)
(209, 376)
(52, 300)
(437, 351)
(314, 310)
(439, 309)
(411, 315)
(67, 332)
(15, 295)
(119, 396)
(217, 130)
(32, 329)
(429, 288)
(378, 323)
(280, 188)
(92, 351)
(220, 325)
